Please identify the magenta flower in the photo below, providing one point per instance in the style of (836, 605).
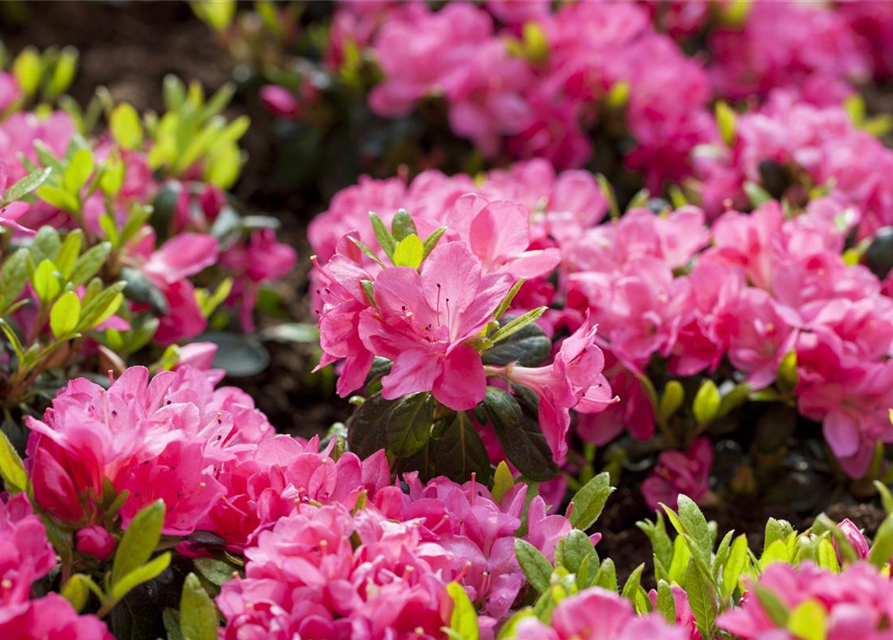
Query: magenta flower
(574, 380)
(678, 473)
(597, 614)
(422, 322)
(95, 541)
(856, 602)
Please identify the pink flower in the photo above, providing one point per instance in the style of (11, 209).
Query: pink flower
(857, 602)
(95, 541)
(855, 537)
(26, 555)
(574, 380)
(51, 618)
(157, 439)
(760, 335)
(597, 614)
(279, 100)
(684, 616)
(680, 473)
(9, 90)
(422, 322)
(498, 233)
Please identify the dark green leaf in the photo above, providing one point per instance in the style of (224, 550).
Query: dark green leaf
(366, 428)
(87, 266)
(529, 347)
(408, 424)
(385, 239)
(238, 354)
(520, 435)
(141, 290)
(402, 225)
(462, 453)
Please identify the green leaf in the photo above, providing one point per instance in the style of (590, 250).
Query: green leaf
(824, 524)
(78, 171)
(702, 605)
(15, 478)
(25, 186)
(408, 424)
(45, 281)
(369, 252)
(882, 548)
(502, 481)
(734, 567)
(218, 15)
(69, 252)
(27, 69)
(142, 290)
(776, 530)
(516, 324)
(608, 192)
(680, 562)
(402, 225)
(214, 571)
(462, 452)
(432, 240)
(826, 556)
(671, 400)
(140, 575)
(45, 244)
(507, 301)
(660, 541)
(77, 591)
(777, 552)
(89, 263)
(101, 308)
(757, 194)
(139, 541)
(666, 604)
(13, 277)
(726, 121)
(589, 501)
(707, 400)
(65, 315)
(520, 435)
(807, 621)
(733, 399)
(534, 564)
(772, 605)
(464, 619)
(59, 198)
(126, 127)
(409, 252)
(606, 576)
(576, 546)
(787, 375)
(198, 615)
(529, 347)
(385, 239)
(631, 588)
(695, 527)
(883, 491)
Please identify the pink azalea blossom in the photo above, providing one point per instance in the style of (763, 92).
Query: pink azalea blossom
(95, 541)
(422, 321)
(574, 380)
(597, 614)
(678, 473)
(857, 602)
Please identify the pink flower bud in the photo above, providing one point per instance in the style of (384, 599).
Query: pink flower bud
(95, 541)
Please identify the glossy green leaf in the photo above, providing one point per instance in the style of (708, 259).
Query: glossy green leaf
(198, 615)
(12, 470)
(409, 252)
(589, 501)
(65, 314)
(534, 564)
(142, 574)
(139, 541)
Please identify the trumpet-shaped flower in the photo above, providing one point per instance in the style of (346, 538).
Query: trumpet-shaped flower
(422, 322)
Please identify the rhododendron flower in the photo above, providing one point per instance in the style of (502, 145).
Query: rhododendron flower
(27, 556)
(304, 579)
(684, 616)
(597, 614)
(680, 472)
(157, 439)
(574, 380)
(422, 321)
(498, 233)
(279, 100)
(856, 602)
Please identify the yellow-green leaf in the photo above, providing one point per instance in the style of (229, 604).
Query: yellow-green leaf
(65, 314)
(409, 252)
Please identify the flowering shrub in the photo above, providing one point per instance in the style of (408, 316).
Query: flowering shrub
(119, 246)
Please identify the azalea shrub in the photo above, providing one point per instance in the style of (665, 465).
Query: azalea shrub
(120, 244)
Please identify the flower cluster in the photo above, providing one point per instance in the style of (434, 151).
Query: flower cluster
(856, 601)
(27, 556)
(381, 569)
